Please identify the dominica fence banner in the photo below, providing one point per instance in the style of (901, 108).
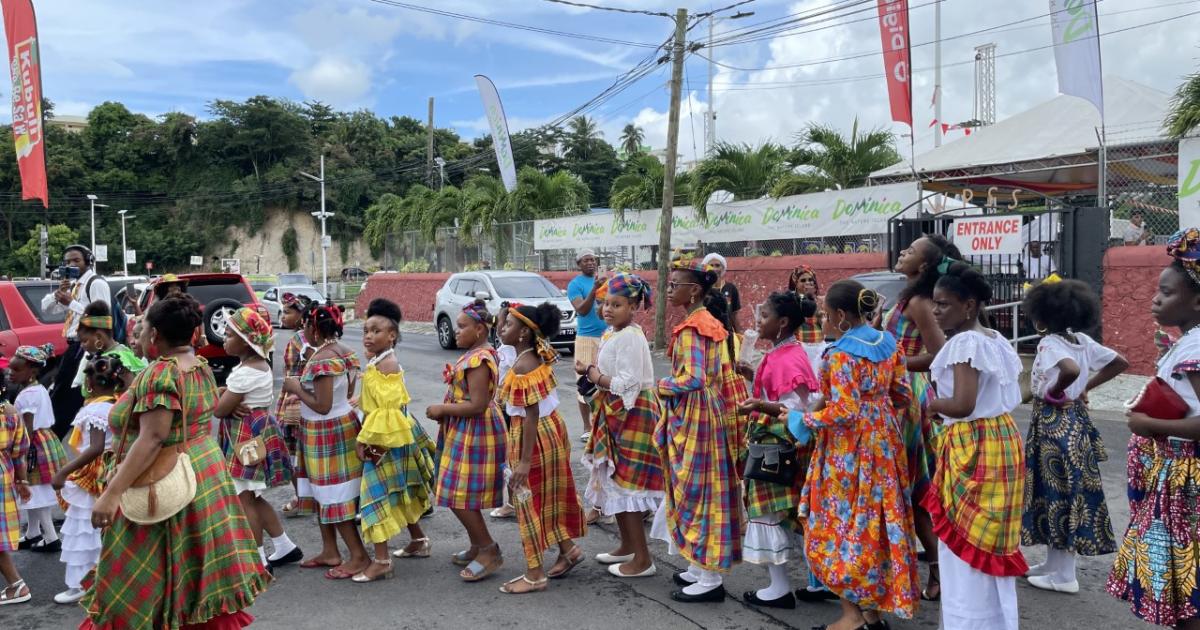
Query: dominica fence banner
(897, 61)
(1077, 49)
(25, 64)
(832, 213)
(498, 123)
(1189, 182)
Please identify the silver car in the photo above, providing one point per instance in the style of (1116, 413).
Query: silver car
(496, 287)
(273, 299)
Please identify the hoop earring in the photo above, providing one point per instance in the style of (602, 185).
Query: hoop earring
(843, 326)
(1041, 330)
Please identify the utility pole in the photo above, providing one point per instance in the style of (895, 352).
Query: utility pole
(710, 130)
(937, 73)
(429, 147)
(44, 249)
(322, 215)
(124, 248)
(664, 234)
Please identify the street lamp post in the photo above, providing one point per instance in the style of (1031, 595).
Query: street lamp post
(124, 247)
(441, 164)
(322, 215)
(92, 199)
(710, 130)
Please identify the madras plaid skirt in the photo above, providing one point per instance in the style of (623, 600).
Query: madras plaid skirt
(189, 569)
(10, 527)
(703, 503)
(333, 467)
(555, 514)
(397, 489)
(46, 455)
(626, 438)
(274, 470)
(917, 429)
(764, 498)
(470, 469)
(976, 496)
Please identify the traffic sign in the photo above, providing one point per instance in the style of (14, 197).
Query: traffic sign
(101, 253)
(130, 256)
(197, 261)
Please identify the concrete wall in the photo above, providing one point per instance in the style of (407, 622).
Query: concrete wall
(1130, 282)
(267, 242)
(756, 278)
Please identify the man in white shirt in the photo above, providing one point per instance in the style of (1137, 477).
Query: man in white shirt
(1038, 264)
(72, 297)
(1136, 232)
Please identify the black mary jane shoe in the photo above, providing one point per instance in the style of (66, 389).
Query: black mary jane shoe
(714, 596)
(677, 578)
(47, 547)
(787, 601)
(28, 543)
(295, 555)
(882, 624)
(810, 597)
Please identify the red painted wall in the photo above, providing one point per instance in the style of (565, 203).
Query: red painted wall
(755, 278)
(1130, 282)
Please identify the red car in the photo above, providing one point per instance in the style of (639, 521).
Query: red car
(220, 295)
(21, 320)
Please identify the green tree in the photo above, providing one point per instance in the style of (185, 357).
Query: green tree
(1183, 117)
(632, 137)
(580, 136)
(744, 171)
(825, 159)
(640, 185)
(26, 260)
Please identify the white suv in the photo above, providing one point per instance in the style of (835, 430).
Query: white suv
(496, 287)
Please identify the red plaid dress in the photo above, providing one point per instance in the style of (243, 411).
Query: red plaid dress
(197, 567)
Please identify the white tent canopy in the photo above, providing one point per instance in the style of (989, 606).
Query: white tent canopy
(1061, 127)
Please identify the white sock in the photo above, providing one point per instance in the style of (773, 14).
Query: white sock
(33, 524)
(708, 581)
(780, 584)
(262, 555)
(282, 546)
(47, 518)
(1061, 565)
(692, 575)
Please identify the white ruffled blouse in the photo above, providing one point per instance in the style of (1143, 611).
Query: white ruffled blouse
(999, 372)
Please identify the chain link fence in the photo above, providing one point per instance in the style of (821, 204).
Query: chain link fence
(1143, 193)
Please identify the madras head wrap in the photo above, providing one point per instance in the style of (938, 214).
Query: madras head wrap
(101, 322)
(687, 261)
(254, 329)
(478, 312)
(35, 354)
(1184, 246)
(329, 310)
(544, 349)
(631, 286)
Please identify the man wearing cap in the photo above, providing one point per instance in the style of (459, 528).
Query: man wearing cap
(589, 325)
(727, 289)
(71, 298)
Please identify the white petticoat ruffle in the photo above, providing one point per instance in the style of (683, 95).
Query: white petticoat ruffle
(768, 543)
(40, 496)
(605, 494)
(660, 529)
(248, 485)
(80, 541)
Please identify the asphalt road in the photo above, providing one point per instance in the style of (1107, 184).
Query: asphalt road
(428, 594)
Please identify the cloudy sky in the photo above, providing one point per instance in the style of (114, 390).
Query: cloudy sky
(159, 56)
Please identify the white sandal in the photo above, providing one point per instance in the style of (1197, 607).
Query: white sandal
(17, 598)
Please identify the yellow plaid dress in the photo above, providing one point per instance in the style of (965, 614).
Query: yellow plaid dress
(13, 444)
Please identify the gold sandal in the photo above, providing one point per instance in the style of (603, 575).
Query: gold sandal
(535, 585)
(422, 552)
(363, 578)
(478, 570)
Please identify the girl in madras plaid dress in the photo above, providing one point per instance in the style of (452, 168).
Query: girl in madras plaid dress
(470, 476)
(397, 454)
(539, 451)
(254, 448)
(287, 410)
(330, 435)
(197, 569)
(701, 514)
(46, 454)
(811, 333)
(912, 323)
(1065, 507)
(783, 381)
(858, 534)
(1158, 559)
(978, 482)
(626, 468)
(78, 482)
(14, 442)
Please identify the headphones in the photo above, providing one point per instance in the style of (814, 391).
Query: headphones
(88, 257)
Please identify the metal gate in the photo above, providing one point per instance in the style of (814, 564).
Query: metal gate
(1055, 238)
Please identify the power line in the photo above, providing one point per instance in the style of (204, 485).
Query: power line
(523, 27)
(700, 16)
(615, 9)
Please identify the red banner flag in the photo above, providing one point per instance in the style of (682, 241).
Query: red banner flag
(25, 63)
(893, 29)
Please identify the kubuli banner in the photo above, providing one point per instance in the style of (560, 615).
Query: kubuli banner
(897, 57)
(1189, 182)
(1077, 50)
(832, 213)
(498, 123)
(25, 65)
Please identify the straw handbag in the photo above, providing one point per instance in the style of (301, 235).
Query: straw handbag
(166, 487)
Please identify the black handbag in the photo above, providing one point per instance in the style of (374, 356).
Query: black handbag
(771, 459)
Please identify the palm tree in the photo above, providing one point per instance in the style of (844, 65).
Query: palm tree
(539, 195)
(824, 159)
(631, 140)
(745, 171)
(640, 186)
(581, 132)
(1184, 114)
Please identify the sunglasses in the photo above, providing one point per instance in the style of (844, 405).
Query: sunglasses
(676, 285)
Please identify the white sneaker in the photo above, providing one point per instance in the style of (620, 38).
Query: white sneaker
(1048, 583)
(69, 596)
